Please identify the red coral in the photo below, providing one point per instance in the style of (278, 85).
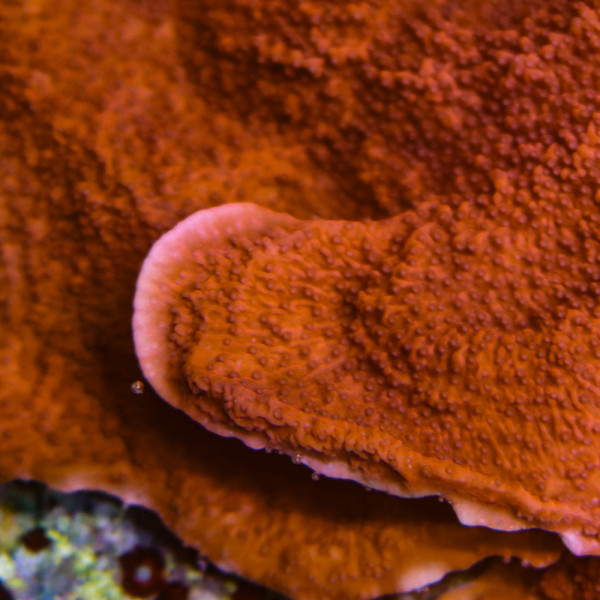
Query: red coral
(145, 112)
(572, 579)
(484, 103)
(479, 126)
(420, 354)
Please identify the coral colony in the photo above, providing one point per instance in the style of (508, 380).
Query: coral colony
(360, 248)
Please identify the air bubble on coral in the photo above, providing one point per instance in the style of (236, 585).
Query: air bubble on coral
(137, 387)
(297, 459)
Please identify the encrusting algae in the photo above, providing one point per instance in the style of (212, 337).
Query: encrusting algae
(460, 142)
(87, 546)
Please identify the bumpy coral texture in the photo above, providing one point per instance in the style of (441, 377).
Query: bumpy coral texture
(569, 578)
(483, 119)
(104, 144)
(488, 103)
(383, 347)
(120, 118)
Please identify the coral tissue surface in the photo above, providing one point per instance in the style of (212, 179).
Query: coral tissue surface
(448, 156)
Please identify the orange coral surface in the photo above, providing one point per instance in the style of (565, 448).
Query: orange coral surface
(382, 353)
(118, 119)
(570, 578)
